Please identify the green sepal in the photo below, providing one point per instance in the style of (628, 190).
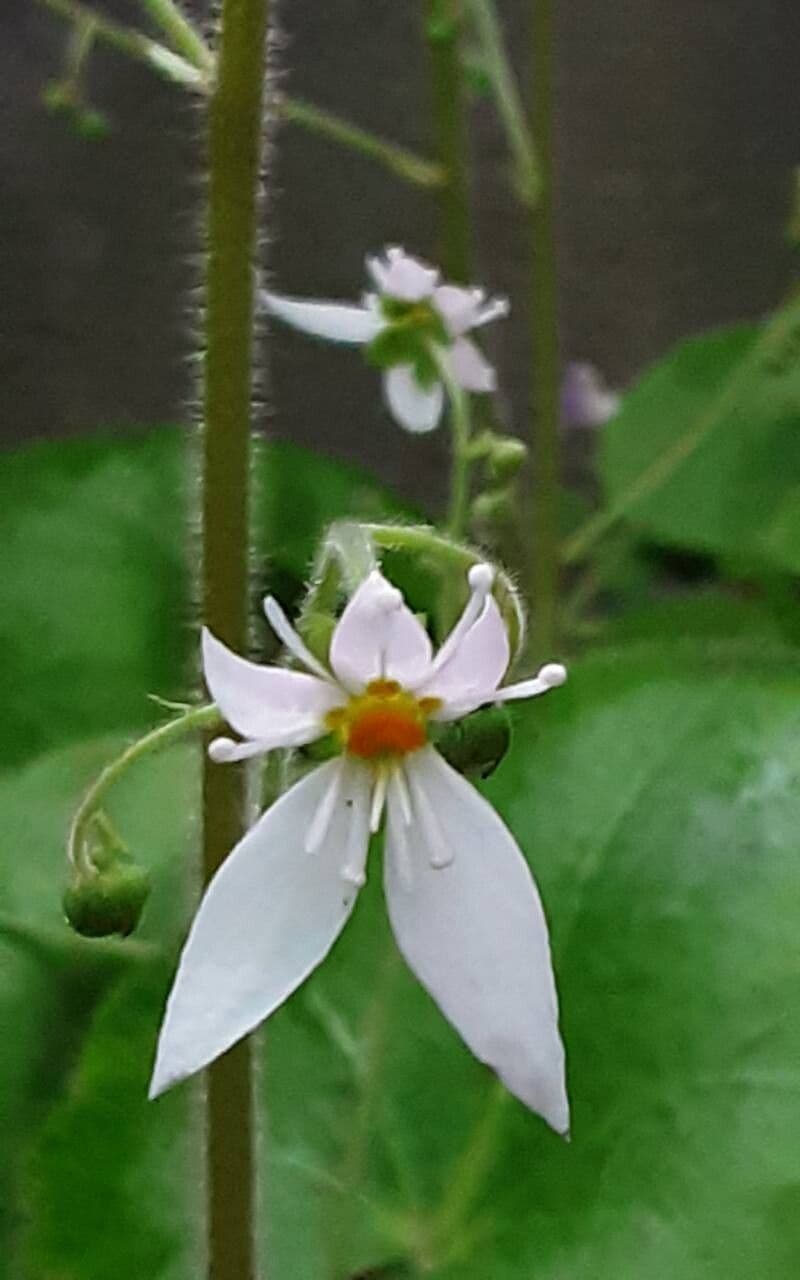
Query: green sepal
(476, 745)
(321, 750)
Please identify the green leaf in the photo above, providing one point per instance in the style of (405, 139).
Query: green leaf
(705, 451)
(81, 1019)
(658, 797)
(95, 593)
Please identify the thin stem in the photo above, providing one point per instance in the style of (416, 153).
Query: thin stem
(234, 154)
(461, 441)
(196, 720)
(443, 21)
(181, 34)
(527, 179)
(133, 43)
(544, 347)
(411, 168)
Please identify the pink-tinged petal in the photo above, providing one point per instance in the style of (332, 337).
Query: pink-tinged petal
(459, 308)
(338, 322)
(378, 637)
(265, 703)
(476, 664)
(473, 931)
(398, 275)
(416, 408)
(470, 367)
(268, 918)
(586, 401)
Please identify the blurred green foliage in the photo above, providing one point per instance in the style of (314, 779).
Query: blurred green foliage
(658, 798)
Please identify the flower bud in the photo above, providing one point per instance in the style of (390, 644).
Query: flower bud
(506, 456)
(106, 900)
(494, 508)
(476, 745)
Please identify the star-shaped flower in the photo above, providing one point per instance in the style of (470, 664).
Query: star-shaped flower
(461, 900)
(409, 326)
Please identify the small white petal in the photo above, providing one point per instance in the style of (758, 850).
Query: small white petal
(269, 704)
(291, 639)
(416, 408)
(338, 322)
(378, 637)
(470, 367)
(475, 665)
(550, 677)
(475, 935)
(268, 918)
(458, 307)
(400, 276)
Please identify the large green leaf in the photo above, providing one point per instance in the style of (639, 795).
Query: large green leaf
(705, 451)
(94, 591)
(658, 797)
(80, 1020)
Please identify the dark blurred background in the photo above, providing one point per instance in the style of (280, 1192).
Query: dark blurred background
(676, 137)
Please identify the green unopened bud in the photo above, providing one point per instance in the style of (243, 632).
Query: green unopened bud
(494, 508)
(476, 745)
(106, 900)
(92, 125)
(506, 457)
(60, 96)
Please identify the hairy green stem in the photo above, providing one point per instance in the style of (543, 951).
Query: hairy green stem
(443, 22)
(234, 156)
(527, 180)
(461, 442)
(196, 720)
(544, 347)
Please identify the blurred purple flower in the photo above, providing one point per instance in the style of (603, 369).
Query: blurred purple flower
(586, 401)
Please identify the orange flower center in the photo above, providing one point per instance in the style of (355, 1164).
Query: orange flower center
(383, 721)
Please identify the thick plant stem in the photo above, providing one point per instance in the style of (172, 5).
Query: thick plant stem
(544, 347)
(443, 20)
(235, 116)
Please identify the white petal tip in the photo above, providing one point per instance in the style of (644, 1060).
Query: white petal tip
(355, 878)
(222, 750)
(481, 578)
(553, 674)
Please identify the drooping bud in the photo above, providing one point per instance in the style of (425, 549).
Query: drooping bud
(476, 745)
(107, 901)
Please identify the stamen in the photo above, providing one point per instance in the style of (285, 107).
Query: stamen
(481, 580)
(495, 309)
(322, 818)
(378, 799)
(550, 677)
(399, 790)
(355, 861)
(226, 751)
(292, 641)
(440, 853)
(402, 857)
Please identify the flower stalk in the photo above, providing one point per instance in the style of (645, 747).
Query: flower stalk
(443, 23)
(234, 157)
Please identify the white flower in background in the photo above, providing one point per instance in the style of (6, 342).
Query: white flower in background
(586, 401)
(412, 322)
(461, 900)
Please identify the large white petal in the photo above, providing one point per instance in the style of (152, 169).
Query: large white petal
(474, 933)
(267, 703)
(269, 916)
(336, 321)
(378, 637)
(416, 408)
(470, 367)
(398, 275)
(475, 667)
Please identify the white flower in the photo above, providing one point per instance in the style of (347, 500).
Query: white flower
(586, 401)
(461, 900)
(411, 313)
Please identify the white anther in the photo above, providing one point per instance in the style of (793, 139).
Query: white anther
(553, 675)
(220, 750)
(481, 579)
